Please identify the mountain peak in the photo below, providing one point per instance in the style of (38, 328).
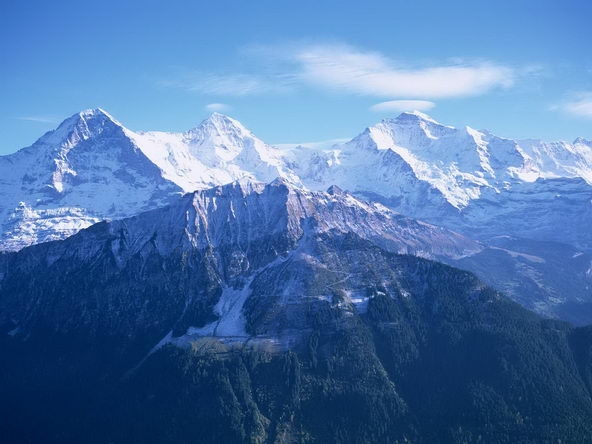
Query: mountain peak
(95, 112)
(219, 116)
(414, 116)
(220, 138)
(334, 190)
(91, 117)
(582, 141)
(81, 126)
(217, 124)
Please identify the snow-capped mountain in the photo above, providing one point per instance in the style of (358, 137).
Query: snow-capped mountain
(465, 179)
(220, 150)
(85, 170)
(461, 164)
(91, 168)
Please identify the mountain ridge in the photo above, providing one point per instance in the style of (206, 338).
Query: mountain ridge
(189, 324)
(469, 182)
(412, 162)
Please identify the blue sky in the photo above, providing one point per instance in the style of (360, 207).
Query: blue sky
(297, 71)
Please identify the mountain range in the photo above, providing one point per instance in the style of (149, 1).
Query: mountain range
(253, 312)
(92, 167)
(524, 206)
(267, 310)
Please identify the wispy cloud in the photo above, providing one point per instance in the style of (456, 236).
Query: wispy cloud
(233, 85)
(577, 105)
(345, 69)
(38, 119)
(227, 84)
(402, 105)
(219, 107)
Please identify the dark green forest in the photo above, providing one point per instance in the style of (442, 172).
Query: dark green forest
(453, 363)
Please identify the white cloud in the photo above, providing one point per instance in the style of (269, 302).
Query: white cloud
(579, 105)
(217, 107)
(234, 85)
(227, 84)
(402, 105)
(347, 69)
(38, 119)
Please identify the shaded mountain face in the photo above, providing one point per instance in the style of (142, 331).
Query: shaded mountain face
(228, 235)
(238, 216)
(261, 313)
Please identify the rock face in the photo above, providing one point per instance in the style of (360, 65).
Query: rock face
(227, 235)
(264, 313)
